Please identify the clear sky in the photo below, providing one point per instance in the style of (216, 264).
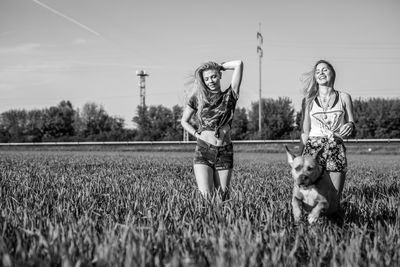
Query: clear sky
(89, 50)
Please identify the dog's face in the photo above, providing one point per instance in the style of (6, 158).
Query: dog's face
(305, 169)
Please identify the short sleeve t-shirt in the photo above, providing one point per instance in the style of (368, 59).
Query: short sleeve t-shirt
(218, 111)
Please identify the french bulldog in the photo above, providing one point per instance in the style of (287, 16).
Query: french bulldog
(313, 189)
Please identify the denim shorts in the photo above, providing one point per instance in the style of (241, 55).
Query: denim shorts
(333, 157)
(216, 157)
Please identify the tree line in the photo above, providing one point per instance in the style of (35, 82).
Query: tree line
(374, 118)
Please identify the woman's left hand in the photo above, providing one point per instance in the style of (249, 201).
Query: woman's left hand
(223, 131)
(346, 129)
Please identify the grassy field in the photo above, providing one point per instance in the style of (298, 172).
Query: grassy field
(127, 208)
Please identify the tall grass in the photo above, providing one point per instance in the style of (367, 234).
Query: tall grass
(143, 209)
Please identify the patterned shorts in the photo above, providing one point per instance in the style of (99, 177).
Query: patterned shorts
(216, 157)
(333, 157)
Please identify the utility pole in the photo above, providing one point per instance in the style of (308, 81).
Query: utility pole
(142, 85)
(185, 136)
(260, 55)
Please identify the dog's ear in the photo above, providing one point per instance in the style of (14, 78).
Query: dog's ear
(290, 155)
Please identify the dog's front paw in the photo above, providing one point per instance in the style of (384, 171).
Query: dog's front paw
(296, 219)
(312, 218)
(296, 216)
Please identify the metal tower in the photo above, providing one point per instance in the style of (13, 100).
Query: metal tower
(142, 85)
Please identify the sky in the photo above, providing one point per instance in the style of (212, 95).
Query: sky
(89, 50)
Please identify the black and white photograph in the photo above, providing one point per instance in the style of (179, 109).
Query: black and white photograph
(199, 133)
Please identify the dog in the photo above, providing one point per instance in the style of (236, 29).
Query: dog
(313, 189)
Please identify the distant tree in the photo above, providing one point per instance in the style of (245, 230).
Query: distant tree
(94, 124)
(393, 119)
(277, 118)
(176, 132)
(377, 118)
(21, 126)
(4, 136)
(34, 128)
(364, 119)
(79, 126)
(13, 124)
(298, 121)
(92, 116)
(58, 122)
(162, 122)
(143, 124)
(374, 118)
(158, 123)
(240, 125)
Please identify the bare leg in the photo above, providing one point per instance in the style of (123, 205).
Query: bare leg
(204, 178)
(222, 179)
(338, 179)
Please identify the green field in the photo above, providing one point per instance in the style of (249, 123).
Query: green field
(127, 208)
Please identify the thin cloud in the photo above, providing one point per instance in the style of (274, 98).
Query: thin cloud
(67, 17)
(20, 49)
(79, 41)
(34, 68)
(11, 83)
(5, 33)
(71, 65)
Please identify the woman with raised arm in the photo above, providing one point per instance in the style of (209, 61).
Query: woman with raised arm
(327, 119)
(214, 109)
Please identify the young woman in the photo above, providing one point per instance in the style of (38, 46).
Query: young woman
(213, 159)
(328, 118)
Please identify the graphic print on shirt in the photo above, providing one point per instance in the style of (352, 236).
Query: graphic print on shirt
(329, 121)
(217, 111)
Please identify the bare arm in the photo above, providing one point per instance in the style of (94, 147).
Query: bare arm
(306, 128)
(347, 129)
(297, 203)
(185, 121)
(237, 67)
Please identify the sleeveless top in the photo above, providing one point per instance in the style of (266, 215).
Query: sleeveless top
(327, 122)
(217, 112)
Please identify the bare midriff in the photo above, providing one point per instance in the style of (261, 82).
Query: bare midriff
(223, 139)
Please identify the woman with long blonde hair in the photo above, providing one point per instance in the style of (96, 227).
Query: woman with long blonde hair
(214, 109)
(327, 120)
